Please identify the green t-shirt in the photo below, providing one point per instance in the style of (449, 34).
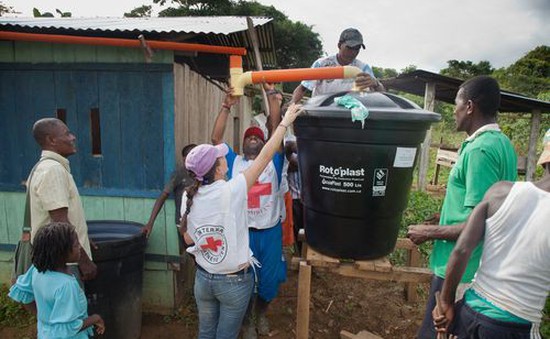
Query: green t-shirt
(482, 161)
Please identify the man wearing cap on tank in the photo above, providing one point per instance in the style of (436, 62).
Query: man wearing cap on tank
(349, 45)
(264, 207)
(507, 296)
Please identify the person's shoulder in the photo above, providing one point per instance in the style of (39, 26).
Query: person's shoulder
(492, 140)
(327, 61)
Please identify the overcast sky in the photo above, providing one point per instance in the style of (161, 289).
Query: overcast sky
(397, 33)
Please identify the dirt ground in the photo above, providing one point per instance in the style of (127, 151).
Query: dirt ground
(337, 303)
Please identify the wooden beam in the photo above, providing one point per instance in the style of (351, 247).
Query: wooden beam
(429, 104)
(398, 274)
(304, 290)
(532, 151)
(258, 59)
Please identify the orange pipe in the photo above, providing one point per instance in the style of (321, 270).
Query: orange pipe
(235, 61)
(80, 40)
(239, 79)
(298, 74)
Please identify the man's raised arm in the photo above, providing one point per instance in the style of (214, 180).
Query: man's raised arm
(221, 119)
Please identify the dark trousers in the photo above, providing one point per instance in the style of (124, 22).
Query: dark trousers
(427, 330)
(474, 325)
(298, 218)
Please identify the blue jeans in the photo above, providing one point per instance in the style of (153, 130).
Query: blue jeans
(222, 300)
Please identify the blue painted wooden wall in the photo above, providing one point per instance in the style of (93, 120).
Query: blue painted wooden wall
(135, 103)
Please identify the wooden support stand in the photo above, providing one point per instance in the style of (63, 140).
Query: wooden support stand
(380, 269)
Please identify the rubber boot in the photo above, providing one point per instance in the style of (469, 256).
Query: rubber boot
(262, 324)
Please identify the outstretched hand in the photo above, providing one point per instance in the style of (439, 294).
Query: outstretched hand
(291, 114)
(420, 233)
(363, 81)
(100, 325)
(147, 229)
(230, 99)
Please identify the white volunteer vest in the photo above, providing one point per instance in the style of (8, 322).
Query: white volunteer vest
(264, 198)
(221, 246)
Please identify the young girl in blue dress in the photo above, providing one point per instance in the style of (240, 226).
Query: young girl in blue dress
(49, 290)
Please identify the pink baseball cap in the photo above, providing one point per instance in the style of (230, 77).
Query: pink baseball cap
(201, 158)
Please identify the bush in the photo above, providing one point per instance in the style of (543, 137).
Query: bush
(545, 326)
(421, 207)
(13, 314)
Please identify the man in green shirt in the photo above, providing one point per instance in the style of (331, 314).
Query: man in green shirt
(485, 157)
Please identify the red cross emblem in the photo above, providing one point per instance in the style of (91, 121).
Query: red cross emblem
(256, 192)
(211, 244)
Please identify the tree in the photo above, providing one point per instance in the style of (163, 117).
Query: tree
(384, 73)
(37, 14)
(5, 9)
(288, 34)
(529, 75)
(140, 12)
(466, 69)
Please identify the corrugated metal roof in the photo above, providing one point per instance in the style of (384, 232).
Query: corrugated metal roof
(220, 30)
(205, 24)
(447, 87)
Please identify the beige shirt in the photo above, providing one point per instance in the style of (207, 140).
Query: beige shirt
(52, 187)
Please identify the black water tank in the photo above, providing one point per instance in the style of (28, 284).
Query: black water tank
(355, 181)
(116, 292)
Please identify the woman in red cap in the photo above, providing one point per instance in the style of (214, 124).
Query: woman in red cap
(214, 213)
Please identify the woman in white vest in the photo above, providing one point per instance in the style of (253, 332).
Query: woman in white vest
(214, 213)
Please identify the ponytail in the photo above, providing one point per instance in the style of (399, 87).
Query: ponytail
(192, 189)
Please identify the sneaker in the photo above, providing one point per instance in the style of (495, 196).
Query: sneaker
(263, 325)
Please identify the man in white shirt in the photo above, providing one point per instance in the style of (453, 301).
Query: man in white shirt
(349, 45)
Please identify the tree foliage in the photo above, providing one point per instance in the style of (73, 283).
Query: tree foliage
(467, 69)
(140, 12)
(297, 45)
(37, 14)
(530, 75)
(5, 9)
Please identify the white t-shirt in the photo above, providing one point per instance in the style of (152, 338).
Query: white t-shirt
(319, 87)
(514, 273)
(217, 224)
(264, 198)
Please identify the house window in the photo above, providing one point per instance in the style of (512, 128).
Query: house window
(95, 131)
(61, 114)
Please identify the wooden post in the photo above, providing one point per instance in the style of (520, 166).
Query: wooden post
(258, 59)
(413, 261)
(533, 139)
(302, 313)
(429, 104)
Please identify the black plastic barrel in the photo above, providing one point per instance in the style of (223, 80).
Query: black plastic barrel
(356, 181)
(116, 292)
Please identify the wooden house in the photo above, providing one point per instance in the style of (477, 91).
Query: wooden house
(131, 113)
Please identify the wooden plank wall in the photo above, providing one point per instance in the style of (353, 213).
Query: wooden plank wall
(159, 279)
(43, 52)
(197, 103)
